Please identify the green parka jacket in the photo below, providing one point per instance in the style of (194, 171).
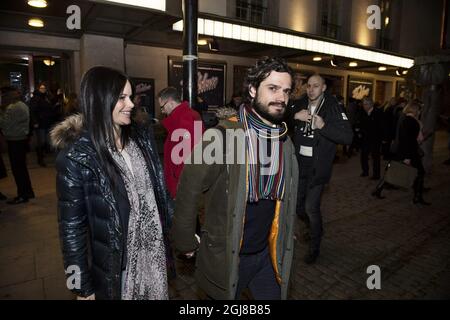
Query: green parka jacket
(225, 193)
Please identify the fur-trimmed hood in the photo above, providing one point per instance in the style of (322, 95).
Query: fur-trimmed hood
(225, 113)
(67, 131)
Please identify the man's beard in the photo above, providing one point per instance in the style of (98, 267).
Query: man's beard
(263, 111)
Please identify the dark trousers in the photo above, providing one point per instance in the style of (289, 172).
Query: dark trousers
(374, 151)
(356, 141)
(386, 150)
(257, 274)
(308, 205)
(42, 143)
(419, 181)
(18, 158)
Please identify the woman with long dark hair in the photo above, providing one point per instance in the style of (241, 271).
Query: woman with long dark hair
(113, 209)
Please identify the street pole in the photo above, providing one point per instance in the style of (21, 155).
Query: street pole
(190, 14)
(430, 72)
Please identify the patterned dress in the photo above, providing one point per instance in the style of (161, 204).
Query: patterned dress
(146, 273)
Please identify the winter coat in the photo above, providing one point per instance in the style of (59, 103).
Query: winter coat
(372, 128)
(408, 146)
(337, 130)
(183, 118)
(225, 189)
(91, 212)
(43, 114)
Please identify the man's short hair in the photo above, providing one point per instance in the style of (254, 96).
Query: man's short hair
(316, 75)
(170, 92)
(262, 70)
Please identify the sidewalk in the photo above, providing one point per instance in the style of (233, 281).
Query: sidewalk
(410, 244)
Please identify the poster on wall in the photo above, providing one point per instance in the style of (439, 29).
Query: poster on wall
(359, 88)
(211, 80)
(335, 84)
(300, 79)
(239, 74)
(144, 94)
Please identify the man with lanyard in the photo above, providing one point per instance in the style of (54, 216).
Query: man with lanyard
(247, 237)
(319, 126)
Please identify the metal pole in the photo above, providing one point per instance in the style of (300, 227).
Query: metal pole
(190, 14)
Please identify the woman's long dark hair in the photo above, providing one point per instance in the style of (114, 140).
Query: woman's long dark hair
(99, 93)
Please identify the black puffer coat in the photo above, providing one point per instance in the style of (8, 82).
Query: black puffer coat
(90, 212)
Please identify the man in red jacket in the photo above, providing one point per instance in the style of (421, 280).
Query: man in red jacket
(180, 124)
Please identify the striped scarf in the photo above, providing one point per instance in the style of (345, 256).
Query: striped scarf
(263, 182)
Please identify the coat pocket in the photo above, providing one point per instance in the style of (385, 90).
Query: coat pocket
(211, 260)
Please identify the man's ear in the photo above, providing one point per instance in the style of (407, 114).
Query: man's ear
(252, 91)
(324, 88)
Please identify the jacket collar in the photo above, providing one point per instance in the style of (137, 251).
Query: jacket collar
(67, 132)
(170, 122)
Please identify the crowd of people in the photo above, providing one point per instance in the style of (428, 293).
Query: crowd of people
(20, 122)
(124, 215)
(393, 131)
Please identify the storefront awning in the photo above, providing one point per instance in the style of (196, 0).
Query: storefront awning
(241, 32)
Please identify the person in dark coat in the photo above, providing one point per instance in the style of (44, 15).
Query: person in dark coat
(372, 136)
(389, 128)
(113, 208)
(42, 115)
(409, 138)
(320, 126)
(354, 115)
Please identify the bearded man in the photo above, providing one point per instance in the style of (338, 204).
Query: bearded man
(247, 237)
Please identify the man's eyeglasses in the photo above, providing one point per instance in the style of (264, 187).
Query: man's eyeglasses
(162, 107)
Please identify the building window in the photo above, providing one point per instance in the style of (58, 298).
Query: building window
(330, 26)
(254, 11)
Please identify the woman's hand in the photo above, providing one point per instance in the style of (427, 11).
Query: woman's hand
(407, 161)
(91, 297)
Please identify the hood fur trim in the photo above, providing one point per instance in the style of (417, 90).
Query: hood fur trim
(67, 131)
(225, 113)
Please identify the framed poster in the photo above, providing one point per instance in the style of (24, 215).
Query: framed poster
(335, 84)
(239, 74)
(144, 94)
(300, 79)
(359, 88)
(211, 80)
